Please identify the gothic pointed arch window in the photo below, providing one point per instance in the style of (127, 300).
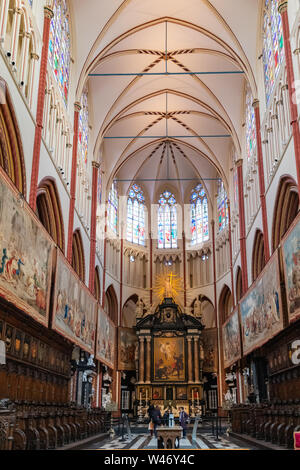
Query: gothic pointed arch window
(222, 203)
(136, 216)
(250, 126)
(112, 210)
(199, 215)
(273, 46)
(59, 46)
(167, 221)
(83, 131)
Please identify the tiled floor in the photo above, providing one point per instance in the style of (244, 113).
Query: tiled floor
(205, 440)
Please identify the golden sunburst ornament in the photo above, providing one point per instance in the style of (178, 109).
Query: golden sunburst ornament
(168, 285)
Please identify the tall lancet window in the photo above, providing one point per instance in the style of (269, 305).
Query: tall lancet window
(112, 209)
(222, 203)
(167, 221)
(273, 47)
(59, 46)
(83, 131)
(136, 216)
(199, 216)
(250, 126)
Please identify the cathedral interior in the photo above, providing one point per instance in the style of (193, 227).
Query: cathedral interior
(149, 218)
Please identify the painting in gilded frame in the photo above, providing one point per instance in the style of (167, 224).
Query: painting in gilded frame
(105, 349)
(181, 393)
(25, 256)
(291, 264)
(210, 347)
(74, 314)
(157, 393)
(127, 349)
(261, 309)
(232, 339)
(169, 359)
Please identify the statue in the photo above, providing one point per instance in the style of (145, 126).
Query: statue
(139, 308)
(169, 286)
(198, 309)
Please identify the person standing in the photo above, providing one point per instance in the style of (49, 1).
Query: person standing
(156, 417)
(150, 413)
(183, 420)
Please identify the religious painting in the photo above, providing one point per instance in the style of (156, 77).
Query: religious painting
(181, 393)
(291, 264)
(105, 349)
(26, 347)
(127, 349)
(18, 342)
(232, 340)
(169, 359)
(9, 330)
(25, 256)
(74, 313)
(210, 347)
(261, 310)
(157, 393)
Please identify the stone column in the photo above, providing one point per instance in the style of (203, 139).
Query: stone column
(148, 360)
(141, 360)
(190, 355)
(282, 8)
(95, 166)
(48, 15)
(196, 356)
(261, 175)
(77, 109)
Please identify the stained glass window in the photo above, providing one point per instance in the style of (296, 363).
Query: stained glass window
(167, 221)
(136, 216)
(59, 46)
(199, 216)
(112, 210)
(250, 125)
(222, 202)
(83, 130)
(30, 3)
(273, 48)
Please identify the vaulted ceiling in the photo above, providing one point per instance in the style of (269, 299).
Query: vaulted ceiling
(178, 127)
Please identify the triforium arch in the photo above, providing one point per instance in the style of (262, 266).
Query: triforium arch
(78, 262)
(11, 149)
(258, 254)
(285, 209)
(111, 304)
(49, 211)
(129, 311)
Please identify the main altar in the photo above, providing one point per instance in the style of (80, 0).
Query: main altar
(169, 357)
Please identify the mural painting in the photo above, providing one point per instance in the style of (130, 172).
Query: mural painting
(74, 307)
(261, 310)
(232, 339)
(169, 359)
(291, 263)
(105, 350)
(25, 257)
(127, 349)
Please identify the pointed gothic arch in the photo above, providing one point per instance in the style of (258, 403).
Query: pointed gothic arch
(225, 304)
(258, 255)
(285, 209)
(49, 211)
(78, 262)
(111, 304)
(11, 149)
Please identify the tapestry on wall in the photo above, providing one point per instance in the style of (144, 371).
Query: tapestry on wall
(291, 264)
(261, 309)
(105, 349)
(74, 307)
(210, 346)
(25, 256)
(127, 349)
(232, 339)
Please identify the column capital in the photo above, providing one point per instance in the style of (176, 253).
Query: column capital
(282, 7)
(77, 106)
(148, 339)
(239, 162)
(34, 56)
(48, 12)
(95, 165)
(255, 103)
